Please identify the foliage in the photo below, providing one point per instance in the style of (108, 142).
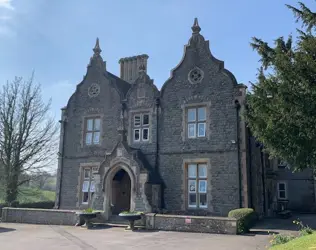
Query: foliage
(27, 134)
(40, 204)
(278, 239)
(300, 243)
(304, 229)
(281, 111)
(131, 213)
(246, 218)
(90, 210)
(31, 195)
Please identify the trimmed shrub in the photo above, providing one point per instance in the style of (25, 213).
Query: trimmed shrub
(246, 218)
(40, 204)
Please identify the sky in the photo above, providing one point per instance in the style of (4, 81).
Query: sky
(54, 38)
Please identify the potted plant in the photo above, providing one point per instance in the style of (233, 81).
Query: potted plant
(86, 216)
(131, 217)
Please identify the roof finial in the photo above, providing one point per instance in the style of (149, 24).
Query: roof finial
(196, 28)
(97, 49)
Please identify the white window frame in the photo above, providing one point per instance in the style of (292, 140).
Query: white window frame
(196, 122)
(285, 190)
(93, 131)
(141, 127)
(197, 179)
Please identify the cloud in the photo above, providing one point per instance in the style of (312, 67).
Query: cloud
(7, 4)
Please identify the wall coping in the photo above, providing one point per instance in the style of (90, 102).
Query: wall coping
(40, 209)
(191, 217)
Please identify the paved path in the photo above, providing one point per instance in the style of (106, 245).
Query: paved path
(43, 237)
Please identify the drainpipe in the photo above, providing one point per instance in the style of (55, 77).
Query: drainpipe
(263, 180)
(157, 151)
(60, 158)
(237, 106)
(250, 168)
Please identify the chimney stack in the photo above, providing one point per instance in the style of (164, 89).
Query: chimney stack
(129, 67)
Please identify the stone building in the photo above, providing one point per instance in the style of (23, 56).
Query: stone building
(125, 145)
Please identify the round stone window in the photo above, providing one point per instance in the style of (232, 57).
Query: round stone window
(94, 90)
(196, 75)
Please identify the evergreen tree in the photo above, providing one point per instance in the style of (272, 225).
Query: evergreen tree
(281, 110)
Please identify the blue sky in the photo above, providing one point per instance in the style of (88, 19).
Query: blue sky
(55, 37)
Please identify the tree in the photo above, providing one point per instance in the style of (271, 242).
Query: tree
(27, 134)
(281, 110)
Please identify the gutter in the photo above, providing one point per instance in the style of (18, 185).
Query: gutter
(237, 106)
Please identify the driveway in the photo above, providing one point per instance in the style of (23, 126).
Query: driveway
(45, 237)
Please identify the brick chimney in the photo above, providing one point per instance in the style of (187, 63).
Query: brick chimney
(130, 67)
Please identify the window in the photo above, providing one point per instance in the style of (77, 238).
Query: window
(282, 191)
(197, 185)
(88, 186)
(141, 127)
(92, 131)
(196, 122)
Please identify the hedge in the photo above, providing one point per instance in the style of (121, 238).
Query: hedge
(39, 204)
(246, 218)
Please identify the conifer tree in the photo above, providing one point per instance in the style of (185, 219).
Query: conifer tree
(281, 109)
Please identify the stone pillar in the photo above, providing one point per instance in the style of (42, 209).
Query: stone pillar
(97, 200)
(156, 197)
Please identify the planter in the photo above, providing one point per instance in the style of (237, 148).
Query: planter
(86, 218)
(131, 217)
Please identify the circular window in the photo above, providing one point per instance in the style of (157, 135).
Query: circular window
(94, 90)
(196, 75)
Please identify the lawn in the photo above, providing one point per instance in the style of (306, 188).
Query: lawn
(28, 194)
(301, 243)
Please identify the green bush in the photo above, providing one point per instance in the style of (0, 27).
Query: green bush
(245, 217)
(40, 204)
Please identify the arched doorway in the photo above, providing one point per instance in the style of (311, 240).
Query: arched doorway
(121, 192)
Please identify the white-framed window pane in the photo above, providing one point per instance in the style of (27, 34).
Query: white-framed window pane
(201, 129)
(192, 186)
(192, 200)
(202, 170)
(282, 195)
(191, 115)
(202, 114)
(203, 201)
(85, 186)
(202, 186)
(191, 130)
(87, 173)
(85, 197)
(136, 134)
(96, 137)
(145, 134)
(145, 119)
(281, 186)
(192, 171)
(89, 124)
(137, 119)
(92, 186)
(97, 123)
(89, 138)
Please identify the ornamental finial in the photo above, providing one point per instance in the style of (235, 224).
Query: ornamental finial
(196, 28)
(97, 49)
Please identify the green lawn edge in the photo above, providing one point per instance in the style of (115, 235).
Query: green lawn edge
(301, 243)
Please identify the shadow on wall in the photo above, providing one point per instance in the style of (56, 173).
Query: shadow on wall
(5, 230)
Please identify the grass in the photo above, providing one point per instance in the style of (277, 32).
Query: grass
(301, 243)
(28, 194)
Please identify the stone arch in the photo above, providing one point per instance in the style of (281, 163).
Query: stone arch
(107, 186)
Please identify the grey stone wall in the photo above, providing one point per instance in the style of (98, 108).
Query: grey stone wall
(198, 224)
(39, 216)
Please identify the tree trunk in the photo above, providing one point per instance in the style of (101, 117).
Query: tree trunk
(12, 189)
